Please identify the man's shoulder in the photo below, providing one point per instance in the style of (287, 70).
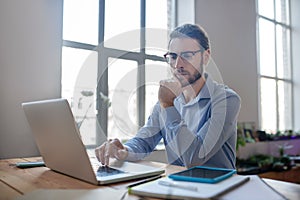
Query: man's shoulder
(224, 92)
(231, 92)
(217, 89)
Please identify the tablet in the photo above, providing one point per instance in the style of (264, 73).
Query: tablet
(203, 174)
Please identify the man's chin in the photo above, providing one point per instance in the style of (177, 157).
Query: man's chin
(188, 82)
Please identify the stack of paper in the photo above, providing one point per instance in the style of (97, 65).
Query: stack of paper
(184, 189)
(231, 188)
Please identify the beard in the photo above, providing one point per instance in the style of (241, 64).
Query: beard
(190, 80)
(194, 78)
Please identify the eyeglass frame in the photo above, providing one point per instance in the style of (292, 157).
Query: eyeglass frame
(180, 55)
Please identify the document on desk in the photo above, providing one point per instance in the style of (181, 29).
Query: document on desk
(168, 188)
(256, 189)
(235, 187)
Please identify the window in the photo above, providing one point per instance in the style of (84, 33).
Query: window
(274, 61)
(112, 62)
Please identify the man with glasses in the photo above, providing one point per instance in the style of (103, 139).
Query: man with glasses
(195, 116)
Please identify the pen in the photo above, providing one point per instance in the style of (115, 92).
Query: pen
(144, 181)
(178, 185)
(30, 164)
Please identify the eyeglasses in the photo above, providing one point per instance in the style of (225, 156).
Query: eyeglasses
(185, 55)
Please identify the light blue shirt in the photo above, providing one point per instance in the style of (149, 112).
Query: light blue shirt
(200, 132)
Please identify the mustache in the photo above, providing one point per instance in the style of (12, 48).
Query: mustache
(181, 71)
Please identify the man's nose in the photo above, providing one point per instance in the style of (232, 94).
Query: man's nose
(178, 62)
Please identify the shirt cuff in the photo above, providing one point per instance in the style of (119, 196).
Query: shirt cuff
(132, 156)
(171, 116)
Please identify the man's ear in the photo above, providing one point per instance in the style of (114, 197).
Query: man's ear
(206, 56)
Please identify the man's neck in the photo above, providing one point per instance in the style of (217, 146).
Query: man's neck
(191, 91)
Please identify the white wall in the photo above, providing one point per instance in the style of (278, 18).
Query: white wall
(185, 11)
(30, 52)
(231, 26)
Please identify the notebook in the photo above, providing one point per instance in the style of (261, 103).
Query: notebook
(170, 189)
(58, 140)
(235, 187)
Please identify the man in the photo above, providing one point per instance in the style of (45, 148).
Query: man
(195, 116)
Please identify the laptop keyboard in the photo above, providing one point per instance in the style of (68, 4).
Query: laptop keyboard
(107, 171)
(101, 170)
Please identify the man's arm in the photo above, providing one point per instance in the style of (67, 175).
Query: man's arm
(146, 138)
(136, 148)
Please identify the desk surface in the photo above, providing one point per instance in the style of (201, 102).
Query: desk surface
(16, 182)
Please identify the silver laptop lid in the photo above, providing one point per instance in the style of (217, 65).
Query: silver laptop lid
(57, 137)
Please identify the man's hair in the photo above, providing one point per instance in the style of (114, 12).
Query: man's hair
(192, 31)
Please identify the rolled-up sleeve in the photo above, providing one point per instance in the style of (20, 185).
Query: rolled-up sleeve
(146, 138)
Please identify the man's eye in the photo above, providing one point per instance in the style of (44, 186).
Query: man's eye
(173, 56)
(187, 55)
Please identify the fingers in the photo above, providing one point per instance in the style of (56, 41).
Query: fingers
(106, 153)
(172, 85)
(100, 152)
(111, 149)
(170, 82)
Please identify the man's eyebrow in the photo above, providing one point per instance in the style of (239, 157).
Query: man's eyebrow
(171, 52)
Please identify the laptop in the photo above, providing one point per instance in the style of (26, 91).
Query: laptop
(59, 142)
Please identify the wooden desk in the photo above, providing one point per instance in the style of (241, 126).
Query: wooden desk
(16, 182)
(292, 175)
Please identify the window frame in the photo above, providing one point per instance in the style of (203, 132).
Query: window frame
(275, 78)
(104, 53)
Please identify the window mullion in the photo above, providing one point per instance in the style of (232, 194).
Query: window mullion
(276, 78)
(276, 68)
(277, 106)
(102, 79)
(141, 91)
(290, 63)
(274, 21)
(79, 45)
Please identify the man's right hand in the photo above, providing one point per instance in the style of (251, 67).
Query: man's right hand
(111, 149)
(168, 91)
